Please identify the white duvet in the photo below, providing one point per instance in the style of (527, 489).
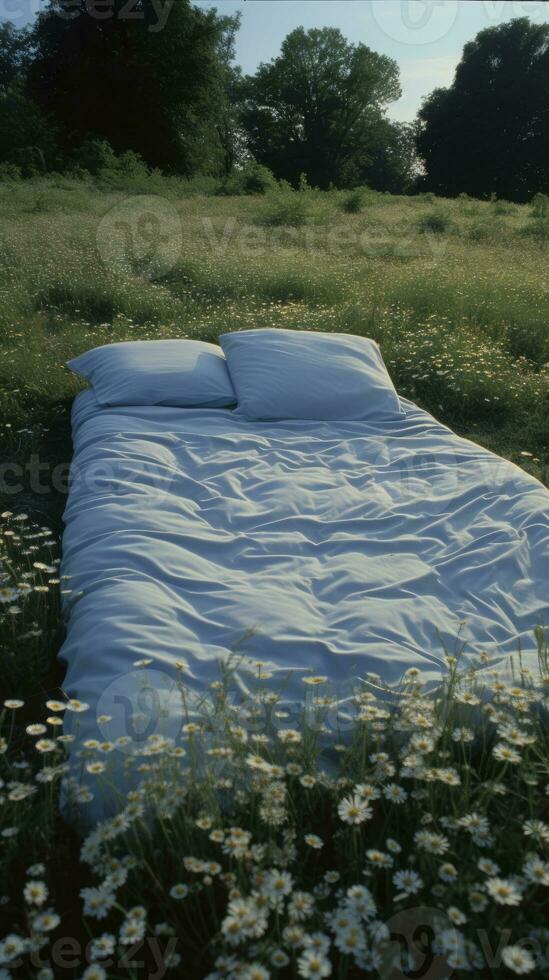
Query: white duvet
(339, 549)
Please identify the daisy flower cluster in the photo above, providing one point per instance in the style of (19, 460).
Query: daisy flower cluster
(262, 843)
(268, 862)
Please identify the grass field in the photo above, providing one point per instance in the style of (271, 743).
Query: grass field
(301, 871)
(456, 293)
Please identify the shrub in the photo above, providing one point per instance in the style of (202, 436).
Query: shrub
(95, 155)
(285, 209)
(537, 229)
(437, 222)
(503, 207)
(353, 202)
(540, 205)
(10, 171)
(252, 178)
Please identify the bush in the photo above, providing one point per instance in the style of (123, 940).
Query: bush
(537, 229)
(95, 155)
(252, 178)
(285, 209)
(10, 171)
(540, 205)
(353, 203)
(437, 222)
(503, 207)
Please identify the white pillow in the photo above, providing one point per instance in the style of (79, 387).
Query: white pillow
(296, 374)
(157, 372)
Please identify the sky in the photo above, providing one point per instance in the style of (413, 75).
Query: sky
(425, 37)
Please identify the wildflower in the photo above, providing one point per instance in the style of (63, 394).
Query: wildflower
(255, 972)
(430, 842)
(517, 959)
(35, 892)
(179, 891)
(477, 900)
(488, 867)
(45, 745)
(13, 704)
(289, 736)
(313, 841)
(503, 891)
(395, 793)
(360, 901)
(448, 872)
(75, 705)
(11, 947)
(536, 829)
(94, 972)
(95, 768)
(393, 846)
(279, 959)
(463, 735)
(456, 915)
(102, 946)
(314, 680)
(408, 882)
(354, 810)
(312, 964)
(351, 939)
(46, 921)
(35, 729)
(300, 906)
(132, 931)
(97, 902)
(379, 859)
(36, 869)
(536, 870)
(278, 883)
(504, 753)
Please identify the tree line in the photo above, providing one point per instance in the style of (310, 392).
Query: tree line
(84, 82)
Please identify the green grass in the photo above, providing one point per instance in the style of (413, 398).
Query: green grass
(456, 293)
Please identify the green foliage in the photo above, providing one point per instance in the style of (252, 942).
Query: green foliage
(251, 178)
(437, 222)
(353, 203)
(285, 209)
(156, 89)
(488, 132)
(540, 205)
(27, 138)
(10, 171)
(329, 136)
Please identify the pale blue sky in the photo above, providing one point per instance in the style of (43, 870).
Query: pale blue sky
(425, 37)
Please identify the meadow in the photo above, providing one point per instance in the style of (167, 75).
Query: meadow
(302, 873)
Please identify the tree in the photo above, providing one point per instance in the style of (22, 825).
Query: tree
(14, 54)
(159, 90)
(317, 108)
(26, 136)
(488, 133)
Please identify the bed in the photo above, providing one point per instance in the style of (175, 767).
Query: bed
(354, 550)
